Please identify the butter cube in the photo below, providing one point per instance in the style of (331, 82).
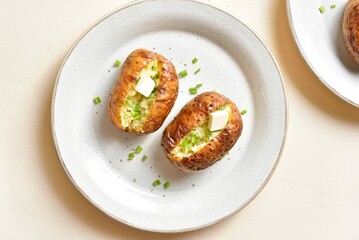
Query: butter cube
(218, 120)
(145, 86)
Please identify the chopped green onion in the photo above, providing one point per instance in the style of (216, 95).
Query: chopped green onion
(136, 108)
(117, 63)
(156, 76)
(193, 90)
(194, 60)
(166, 185)
(156, 183)
(188, 147)
(129, 102)
(184, 142)
(144, 158)
(332, 6)
(322, 9)
(243, 112)
(131, 156)
(136, 112)
(97, 100)
(183, 73)
(138, 149)
(195, 140)
(137, 116)
(197, 71)
(138, 79)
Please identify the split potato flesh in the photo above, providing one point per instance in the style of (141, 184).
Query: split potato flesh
(129, 109)
(187, 140)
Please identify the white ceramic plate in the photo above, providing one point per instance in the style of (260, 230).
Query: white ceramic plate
(234, 61)
(320, 40)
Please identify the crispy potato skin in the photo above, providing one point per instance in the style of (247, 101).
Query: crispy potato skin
(350, 26)
(193, 113)
(166, 95)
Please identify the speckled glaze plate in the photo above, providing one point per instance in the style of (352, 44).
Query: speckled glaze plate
(233, 61)
(320, 40)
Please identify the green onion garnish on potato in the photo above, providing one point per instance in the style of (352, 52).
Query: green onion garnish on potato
(137, 116)
(185, 142)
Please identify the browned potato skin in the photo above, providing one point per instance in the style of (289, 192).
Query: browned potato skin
(166, 94)
(193, 113)
(350, 26)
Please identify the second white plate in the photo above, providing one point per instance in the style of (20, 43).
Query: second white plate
(320, 40)
(233, 61)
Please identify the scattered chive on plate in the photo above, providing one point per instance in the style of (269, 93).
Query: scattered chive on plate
(183, 73)
(131, 156)
(166, 185)
(156, 183)
(97, 100)
(117, 63)
(138, 149)
(322, 9)
(193, 90)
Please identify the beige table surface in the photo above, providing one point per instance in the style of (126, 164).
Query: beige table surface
(314, 193)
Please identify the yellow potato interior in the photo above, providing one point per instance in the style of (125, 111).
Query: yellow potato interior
(196, 139)
(136, 108)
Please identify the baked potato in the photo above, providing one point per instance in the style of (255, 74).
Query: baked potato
(134, 112)
(187, 140)
(350, 26)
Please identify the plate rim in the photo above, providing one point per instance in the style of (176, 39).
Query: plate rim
(283, 139)
(307, 60)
